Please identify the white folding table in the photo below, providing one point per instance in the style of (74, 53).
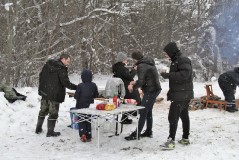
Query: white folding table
(89, 114)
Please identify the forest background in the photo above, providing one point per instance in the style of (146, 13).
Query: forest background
(94, 31)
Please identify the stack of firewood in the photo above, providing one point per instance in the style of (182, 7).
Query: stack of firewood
(200, 103)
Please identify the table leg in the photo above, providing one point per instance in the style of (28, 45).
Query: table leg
(117, 123)
(73, 130)
(137, 120)
(95, 124)
(98, 127)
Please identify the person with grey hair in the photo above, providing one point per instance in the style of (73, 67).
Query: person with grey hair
(120, 71)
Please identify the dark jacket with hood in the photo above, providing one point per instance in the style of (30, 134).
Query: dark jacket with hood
(231, 77)
(53, 80)
(120, 71)
(148, 78)
(180, 75)
(86, 91)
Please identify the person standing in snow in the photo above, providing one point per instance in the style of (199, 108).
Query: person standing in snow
(84, 95)
(53, 80)
(120, 71)
(180, 93)
(148, 81)
(228, 82)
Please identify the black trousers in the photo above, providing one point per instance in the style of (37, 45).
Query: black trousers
(146, 113)
(228, 91)
(85, 127)
(179, 109)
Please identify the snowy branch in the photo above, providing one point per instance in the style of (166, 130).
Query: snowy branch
(39, 13)
(90, 15)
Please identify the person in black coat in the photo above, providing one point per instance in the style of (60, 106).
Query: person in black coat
(180, 93)
(84, 95)
(228, 82)
(148, 81)
(120, 71)
(53, 80)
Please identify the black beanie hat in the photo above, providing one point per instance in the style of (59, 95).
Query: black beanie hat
(137, 55)
(171, 49)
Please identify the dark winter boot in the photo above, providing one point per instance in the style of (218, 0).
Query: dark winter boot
(132, 136)
(147, 133)
(230, 109)
(51, 125)
(235, 108)
(88, 136)
(39, 125)
(126, 120)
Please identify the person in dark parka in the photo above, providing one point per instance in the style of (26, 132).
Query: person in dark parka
(180, 93)
(228, 82)
(148, 81)
(120, 71)
(53, 80)
(84, 95)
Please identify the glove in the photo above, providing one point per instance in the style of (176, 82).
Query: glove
(165, 75)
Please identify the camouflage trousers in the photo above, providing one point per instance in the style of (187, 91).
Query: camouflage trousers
(49, 107)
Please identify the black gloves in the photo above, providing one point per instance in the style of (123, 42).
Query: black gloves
(165, 75)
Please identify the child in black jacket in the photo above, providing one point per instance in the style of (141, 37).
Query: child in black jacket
(84, 95)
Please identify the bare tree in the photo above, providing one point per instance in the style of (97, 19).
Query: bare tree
(93, 32)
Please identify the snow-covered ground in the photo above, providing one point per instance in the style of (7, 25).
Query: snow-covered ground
(214, 134)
